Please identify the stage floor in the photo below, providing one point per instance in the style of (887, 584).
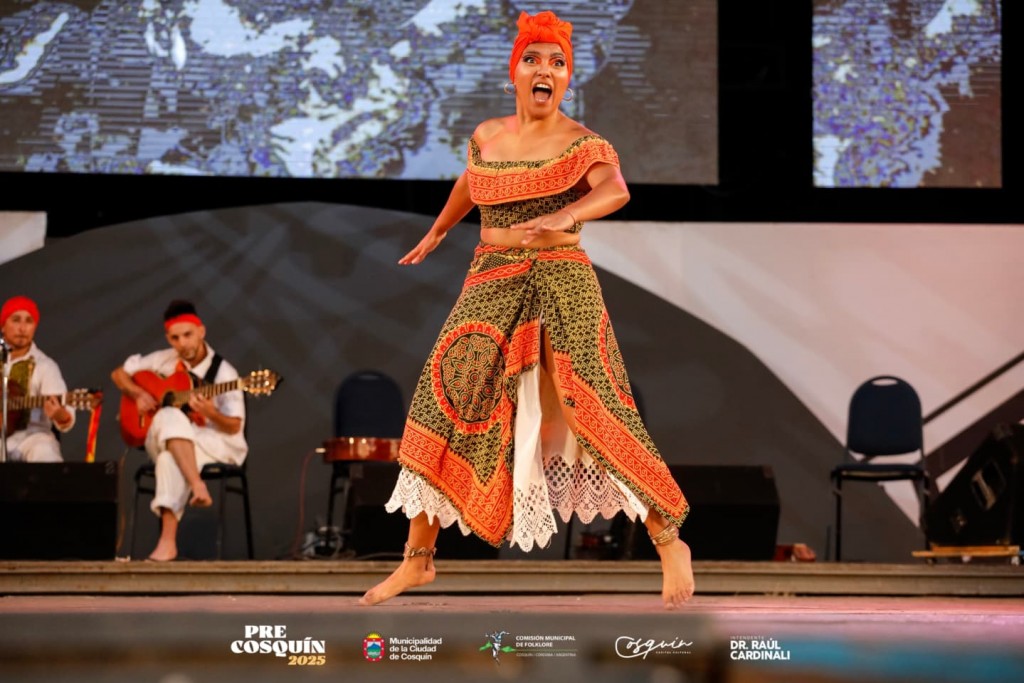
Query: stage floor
(563, 638)
(513, 577)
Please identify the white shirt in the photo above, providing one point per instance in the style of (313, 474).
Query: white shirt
(46, 380)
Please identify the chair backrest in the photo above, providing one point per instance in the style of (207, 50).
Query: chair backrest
(369, 403)
(884, 418)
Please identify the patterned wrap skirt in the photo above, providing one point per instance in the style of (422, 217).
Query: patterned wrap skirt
(486, 443)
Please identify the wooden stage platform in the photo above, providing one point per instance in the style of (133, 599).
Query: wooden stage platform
(510, 577)
(600, 622)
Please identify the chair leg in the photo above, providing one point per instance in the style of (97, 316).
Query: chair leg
(838, 492)
(331, 493)
(135, 521)
(924, 486)
(248, 518)
(340, 473)
(346, 492)
(220, 521)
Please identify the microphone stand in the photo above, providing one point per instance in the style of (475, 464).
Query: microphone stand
(3, 400)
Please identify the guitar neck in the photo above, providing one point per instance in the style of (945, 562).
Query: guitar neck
(210, 390)
(29, 402)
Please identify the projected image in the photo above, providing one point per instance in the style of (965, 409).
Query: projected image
(301, 88)
(907, 94)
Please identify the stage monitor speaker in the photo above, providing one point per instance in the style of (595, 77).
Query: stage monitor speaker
(734, 514)
(58, 511)
(374, 531)
(982, 504)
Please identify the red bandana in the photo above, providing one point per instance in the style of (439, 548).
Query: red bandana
(183, 318)
(18, 303)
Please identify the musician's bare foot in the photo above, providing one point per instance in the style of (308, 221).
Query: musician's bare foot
(677, 573)
(201, 497)
(165, 551)
(414, 571)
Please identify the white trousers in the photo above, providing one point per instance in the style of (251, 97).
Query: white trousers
(172, 491)
(33, 447)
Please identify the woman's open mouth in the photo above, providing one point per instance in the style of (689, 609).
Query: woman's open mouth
(542, 92)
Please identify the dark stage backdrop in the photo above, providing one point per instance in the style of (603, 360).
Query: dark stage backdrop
(313, 292)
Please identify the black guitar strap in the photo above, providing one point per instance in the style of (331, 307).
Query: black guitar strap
(211, 372)
(208, 378)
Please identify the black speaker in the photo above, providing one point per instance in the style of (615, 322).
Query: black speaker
(734, 514)
(982, 504)
(58, 511)
(374, 531)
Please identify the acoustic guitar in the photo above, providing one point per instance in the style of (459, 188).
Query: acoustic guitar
(175, 391)
(18, 403)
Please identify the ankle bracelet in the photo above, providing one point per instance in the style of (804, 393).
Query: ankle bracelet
(411, 552)
(667, 535)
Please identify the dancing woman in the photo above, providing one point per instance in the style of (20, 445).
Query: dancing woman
(524, 406)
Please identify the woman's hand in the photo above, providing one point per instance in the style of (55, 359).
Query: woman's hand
(420, 251)
(560, 221)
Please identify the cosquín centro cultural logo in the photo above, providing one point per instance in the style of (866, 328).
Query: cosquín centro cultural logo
(630, 647)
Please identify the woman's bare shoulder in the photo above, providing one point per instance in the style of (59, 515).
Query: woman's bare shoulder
(576, 130)
(490, 128)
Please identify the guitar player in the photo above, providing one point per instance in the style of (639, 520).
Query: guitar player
(182, 440)
(30, 436)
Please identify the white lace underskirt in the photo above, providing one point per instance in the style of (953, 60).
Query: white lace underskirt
(550, 474)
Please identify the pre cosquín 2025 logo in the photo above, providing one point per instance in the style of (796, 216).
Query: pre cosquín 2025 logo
(273, 639)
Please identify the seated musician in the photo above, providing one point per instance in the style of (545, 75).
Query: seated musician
(32, 373)
(182, 440)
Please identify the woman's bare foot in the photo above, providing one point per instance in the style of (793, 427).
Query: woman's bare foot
(676, 573)
(165, 551)
(201, 497)
(414, 571)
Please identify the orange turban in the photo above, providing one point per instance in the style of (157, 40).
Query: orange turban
(543, 27)
(18, 303)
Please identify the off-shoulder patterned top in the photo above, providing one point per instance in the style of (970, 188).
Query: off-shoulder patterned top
(510, 192)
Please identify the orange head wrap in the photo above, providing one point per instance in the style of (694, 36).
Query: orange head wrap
(543, 27)
(18, 303)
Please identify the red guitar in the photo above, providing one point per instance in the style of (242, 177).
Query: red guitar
(18, 404)
(176, 390)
